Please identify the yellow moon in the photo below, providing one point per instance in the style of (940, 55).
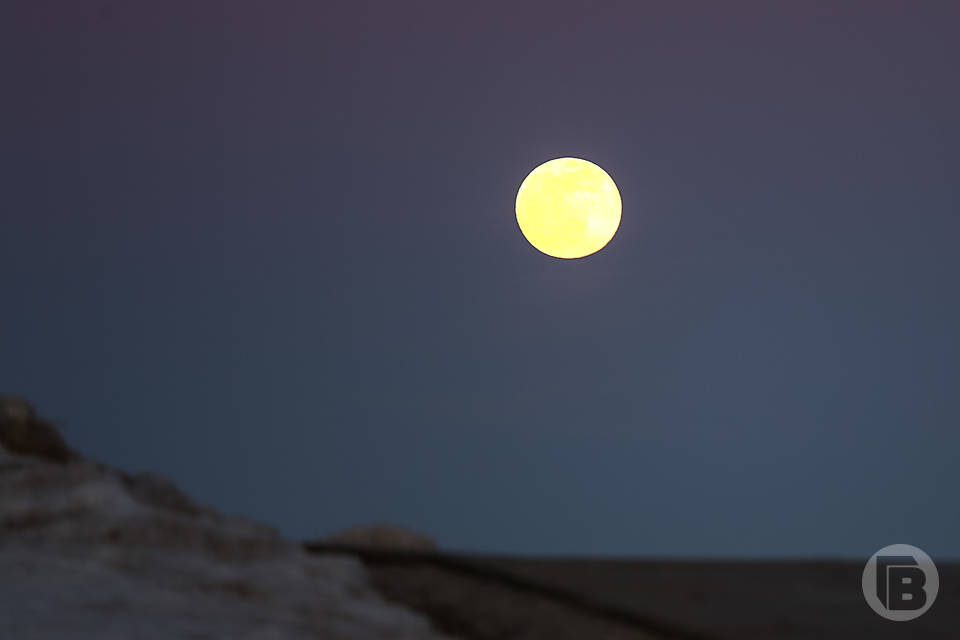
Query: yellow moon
(568, 208)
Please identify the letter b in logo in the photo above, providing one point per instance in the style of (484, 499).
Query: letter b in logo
(900, 582)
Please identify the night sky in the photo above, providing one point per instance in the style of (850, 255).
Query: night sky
(270, 250)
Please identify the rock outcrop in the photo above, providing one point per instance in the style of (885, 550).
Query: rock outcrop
(94, 553)
(383, 536)
(23, 432)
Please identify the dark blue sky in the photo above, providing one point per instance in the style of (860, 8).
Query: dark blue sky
(271, 252)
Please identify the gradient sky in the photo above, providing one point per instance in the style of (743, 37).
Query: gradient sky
(270, 251)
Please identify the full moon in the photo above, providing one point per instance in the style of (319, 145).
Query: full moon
(568, 208)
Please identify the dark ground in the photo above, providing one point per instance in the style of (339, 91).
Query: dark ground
(500, 598)
(745, 600)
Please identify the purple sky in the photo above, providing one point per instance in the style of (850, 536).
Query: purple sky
(270, 251)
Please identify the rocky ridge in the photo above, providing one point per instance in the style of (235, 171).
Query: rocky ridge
(87, 551)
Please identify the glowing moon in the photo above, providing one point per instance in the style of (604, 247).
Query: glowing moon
(568, 208)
